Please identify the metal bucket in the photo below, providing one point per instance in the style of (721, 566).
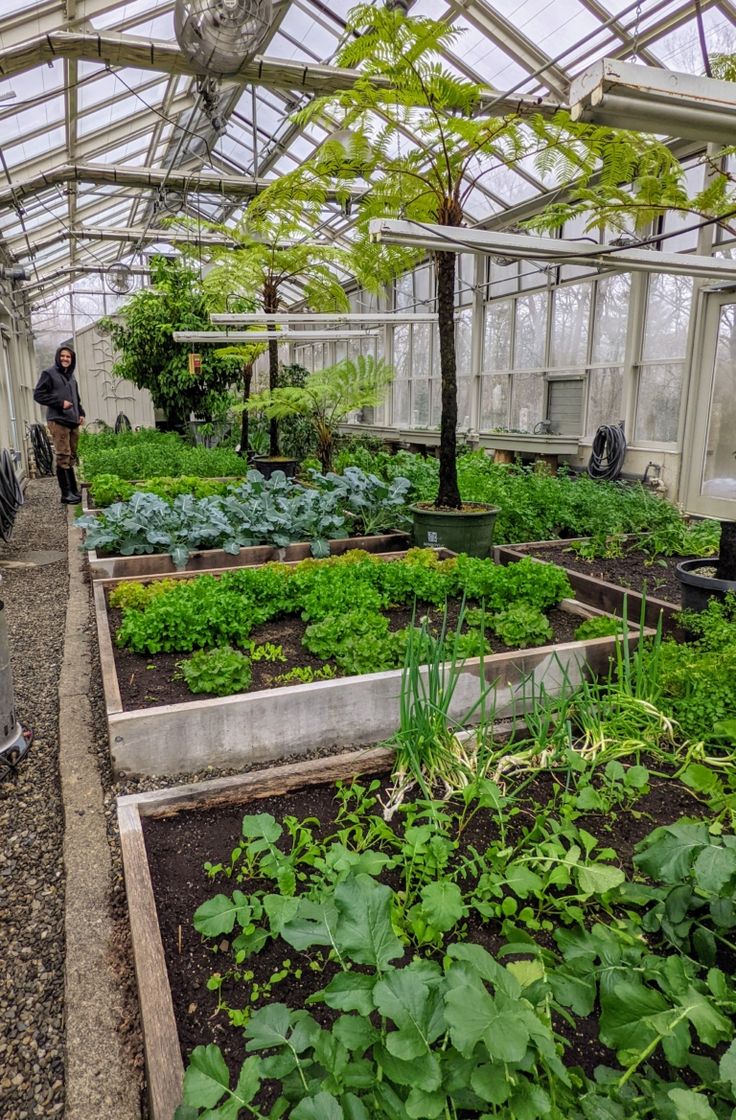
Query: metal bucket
(13, 742)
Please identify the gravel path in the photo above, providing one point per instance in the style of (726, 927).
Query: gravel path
(31, 823)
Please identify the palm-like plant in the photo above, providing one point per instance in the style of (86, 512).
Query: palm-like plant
(419, 139)
(271, 252)
(327, 397)
(242, 359)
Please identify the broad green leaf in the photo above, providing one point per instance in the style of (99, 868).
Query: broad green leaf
(315, 924)
(526, 972)
(322, 1107)
(424, 1071)
(275, 1025)
(529, 1102)
(421, 1104)
(714, 867)
(573, 987)
(667, 854)
(442, 902)
(364, 930)
(485, 966)
(491, 1083)
(631, 1017)
(415, 1009)
(207, 1077)
(348, 991)
(473, 1016)
(258, 826)
(280, 910)
(690, 1105)
(727, 1067)
(712, 1027)
(597, 878)
(217, 915)
(522, 880)
(354, 1032)
(354, 1108)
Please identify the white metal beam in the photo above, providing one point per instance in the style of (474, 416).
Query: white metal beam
(220, 337)
(155, 54)
(321, 317)
(436, 238)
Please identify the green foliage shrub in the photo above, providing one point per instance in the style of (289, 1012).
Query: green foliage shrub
(601, 627)
(153, 454)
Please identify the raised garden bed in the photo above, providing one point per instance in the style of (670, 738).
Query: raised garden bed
(266, 724)
(164, 1065)
(610, 584)
(168, 835)
(134, 567)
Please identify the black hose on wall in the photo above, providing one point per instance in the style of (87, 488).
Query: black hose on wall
(42, 451)
(608, 452)
(11, 495)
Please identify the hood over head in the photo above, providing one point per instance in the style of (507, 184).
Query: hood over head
(69, 369)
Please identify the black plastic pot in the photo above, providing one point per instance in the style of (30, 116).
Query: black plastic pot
(266, 465)
(463, 530)
(697, 589)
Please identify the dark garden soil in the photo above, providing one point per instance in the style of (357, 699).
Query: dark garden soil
(146, 681)
(178, 847)
(634, 570)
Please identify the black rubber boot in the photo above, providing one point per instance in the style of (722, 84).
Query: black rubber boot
(74, 491)
(67, 497)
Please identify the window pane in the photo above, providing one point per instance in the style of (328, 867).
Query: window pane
(401, 403)
(605, 392)
(570, 319)
(611, 315)
(668, 316)
(420, 404)
(527, 397)
(658, 402)
(720, 465)
(464, 389)
(463, 330)
(497, 336)
(421, 341)
(401, 351)
(494, 401)
(531, 329)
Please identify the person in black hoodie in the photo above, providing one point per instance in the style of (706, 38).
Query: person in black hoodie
(57, 389)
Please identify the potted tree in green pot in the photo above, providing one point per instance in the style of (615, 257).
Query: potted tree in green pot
(327, 398)
(270, 257)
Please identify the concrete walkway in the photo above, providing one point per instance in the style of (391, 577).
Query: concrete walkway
(100, 1083)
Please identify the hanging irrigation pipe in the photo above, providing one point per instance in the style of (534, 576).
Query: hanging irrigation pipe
(11, 495)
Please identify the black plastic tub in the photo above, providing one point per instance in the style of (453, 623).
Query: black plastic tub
(698, 589)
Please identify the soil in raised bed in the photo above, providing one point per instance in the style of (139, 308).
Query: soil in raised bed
(178, 846)
(146, 681)
(634, 570)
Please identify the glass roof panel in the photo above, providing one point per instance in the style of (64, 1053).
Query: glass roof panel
(680, 49)
(550, 25)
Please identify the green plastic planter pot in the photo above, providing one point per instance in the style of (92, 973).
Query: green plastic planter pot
(464, 530)
(696, 588)
(266, 465)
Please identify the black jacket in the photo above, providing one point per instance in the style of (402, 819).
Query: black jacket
(56, 385)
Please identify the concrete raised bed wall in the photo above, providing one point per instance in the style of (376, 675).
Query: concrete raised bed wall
(272, 724)
(152, 564)
(607, 597)
(164, 1067)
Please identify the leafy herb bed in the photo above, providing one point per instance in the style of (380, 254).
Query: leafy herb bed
(556, 977)
(353, 612)
(147, 681)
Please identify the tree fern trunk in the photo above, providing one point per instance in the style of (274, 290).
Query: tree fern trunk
(271, 304)
(449, 493)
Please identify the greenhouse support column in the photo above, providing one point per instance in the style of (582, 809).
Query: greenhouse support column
(632, 353)
(449, 493)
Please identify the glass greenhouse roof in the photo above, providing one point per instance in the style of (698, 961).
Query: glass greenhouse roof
(67, 117)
